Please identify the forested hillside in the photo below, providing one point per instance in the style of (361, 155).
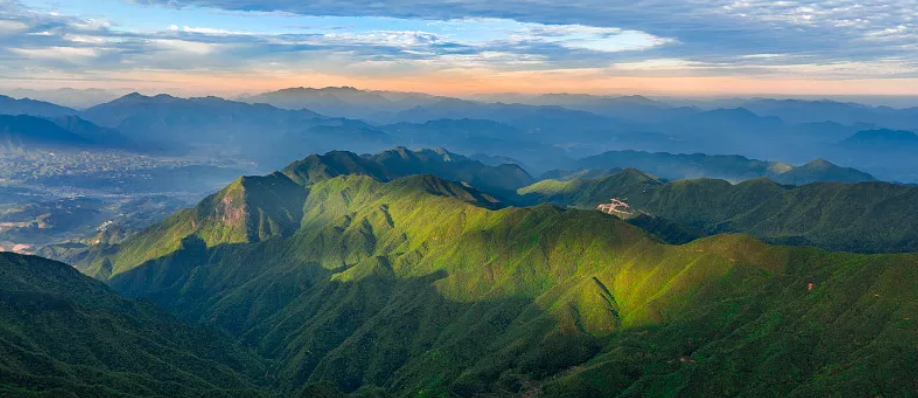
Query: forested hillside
(867, 217)
(421, 286)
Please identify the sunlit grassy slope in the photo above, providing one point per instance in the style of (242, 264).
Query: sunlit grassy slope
(868, 217)
(424, 287)
(63, 334)
(252, 209)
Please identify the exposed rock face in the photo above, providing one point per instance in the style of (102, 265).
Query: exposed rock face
(231, 213)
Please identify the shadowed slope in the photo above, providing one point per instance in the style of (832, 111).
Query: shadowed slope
(63, 334)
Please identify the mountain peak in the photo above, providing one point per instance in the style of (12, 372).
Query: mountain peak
(820, 163)
(635, 176)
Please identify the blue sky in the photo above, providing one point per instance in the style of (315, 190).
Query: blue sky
(465, 46)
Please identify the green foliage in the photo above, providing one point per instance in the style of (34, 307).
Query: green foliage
(63, 334)
(250, 209)
(869, 217)
(422, 287)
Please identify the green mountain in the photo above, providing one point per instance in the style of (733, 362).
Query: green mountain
(253, 209)
(566, 175)
(869, 217)
(402, 162)
(63, 334)
(419, 286)
(250, 209)
(728, 167)
(821, 170)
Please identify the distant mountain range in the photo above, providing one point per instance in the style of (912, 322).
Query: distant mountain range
(220, 127)
(882, 141)
(70, 97)
(543, 132)
(343, 101)
(800, 111)
(14, 107)
(354, 278)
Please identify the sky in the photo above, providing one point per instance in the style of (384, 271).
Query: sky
(651, 47)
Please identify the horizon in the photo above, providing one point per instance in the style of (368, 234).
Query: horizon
(892, 101)
(682, 49)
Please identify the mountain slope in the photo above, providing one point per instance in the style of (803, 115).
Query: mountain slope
(66, 335)
(882, 140)
(480, 137)
(101, 136)
(801, 111)
(821, 170)
(65, 133)
(254, 209)
(728, 167)
(217, 126)
(250, 209)
(415, 286)
(835, 216)
(25, 106)
(342, 101)
(402, 162)
(28, 131)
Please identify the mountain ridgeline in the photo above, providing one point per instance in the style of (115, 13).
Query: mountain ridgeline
(253, 209)
(217, 126)
(376, 275)
(867, 217)
(688, 166)
(544, 133)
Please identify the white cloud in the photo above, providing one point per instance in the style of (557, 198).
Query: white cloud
(11, 27)
(660, 64)
(65, 54)
(89, 39)
(380, 38)
(90, 24)
(763, 56)
(186, 46)
(204, 31)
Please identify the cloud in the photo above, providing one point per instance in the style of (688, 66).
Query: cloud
(205, 31)
(801, 39)
(712, 28)
(9, 27)
(75, 55)
(186, 46)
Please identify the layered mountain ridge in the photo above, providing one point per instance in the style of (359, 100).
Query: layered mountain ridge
(415, 285)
